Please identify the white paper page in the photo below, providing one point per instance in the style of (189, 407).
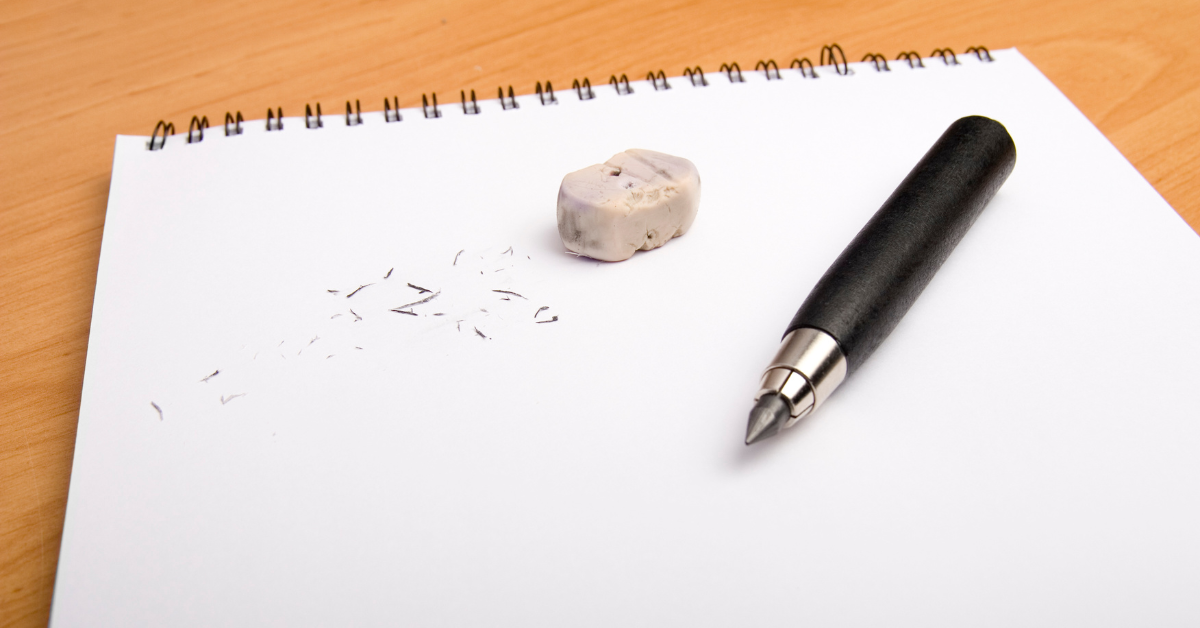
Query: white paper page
(1023, 450)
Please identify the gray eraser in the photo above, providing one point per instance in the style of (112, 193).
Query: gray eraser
(637, 200)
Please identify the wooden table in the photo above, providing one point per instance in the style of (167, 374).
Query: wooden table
(75, 74)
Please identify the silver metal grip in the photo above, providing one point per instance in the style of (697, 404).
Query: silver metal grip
(805, 371)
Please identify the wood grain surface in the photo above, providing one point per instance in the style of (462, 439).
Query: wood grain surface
(74, 74)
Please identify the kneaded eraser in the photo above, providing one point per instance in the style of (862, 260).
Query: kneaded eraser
(635, 201)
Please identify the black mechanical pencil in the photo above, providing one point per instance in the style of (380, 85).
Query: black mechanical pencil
(871, 285)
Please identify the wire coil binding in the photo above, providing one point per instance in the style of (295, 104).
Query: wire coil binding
(197, 126)
(655, 78)
(388, 116)
(831, 54)
(579, 87)
(511, 103)
(425, 107)
(980, 52)
(802, 63)
(767, 66)
(947, 55)
(828, 58)
(167, 128)
(877, 58)
(910, 57)
(729, 69)
(236, 122)
(308, 113)
(618, 82)
(546, 97)
(473, 109)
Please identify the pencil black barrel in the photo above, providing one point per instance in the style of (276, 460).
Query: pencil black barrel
(870, 287)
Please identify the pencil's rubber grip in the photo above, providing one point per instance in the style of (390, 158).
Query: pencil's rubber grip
(866, 292)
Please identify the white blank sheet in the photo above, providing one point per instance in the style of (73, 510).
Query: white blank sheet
(1023, 450)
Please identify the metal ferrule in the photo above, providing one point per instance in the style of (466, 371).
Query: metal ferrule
(805, 371)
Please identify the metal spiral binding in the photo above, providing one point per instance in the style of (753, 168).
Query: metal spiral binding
(693, 73)
(579, 87)
(910, 57)
(473, 110)
(831, 54)
(828, 58)
(237, 123)
(512, 100)
(197, 125)
(877, 58)
(387, 110)
(655, 78)
(425, 107)
(952, 59)
(980, 52)
(168, 128)
(542, 96)
(278, 121)
(729, 69)
(800, 63)
(767, 66)
(617, 82)
(308, 113)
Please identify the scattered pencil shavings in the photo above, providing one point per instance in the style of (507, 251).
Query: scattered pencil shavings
(310, 342)
(460, 298)
(425, 300)
(357, 289)
(157, 409)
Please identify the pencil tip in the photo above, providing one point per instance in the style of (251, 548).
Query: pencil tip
(767, 417)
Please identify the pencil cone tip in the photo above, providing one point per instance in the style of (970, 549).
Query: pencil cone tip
(767, 417)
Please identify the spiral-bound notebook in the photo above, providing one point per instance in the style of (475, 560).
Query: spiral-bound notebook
(344, 373)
